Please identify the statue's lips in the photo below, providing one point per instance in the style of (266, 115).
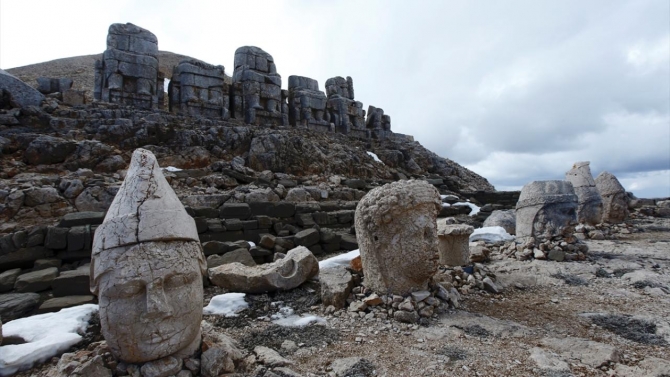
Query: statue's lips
(160, 336)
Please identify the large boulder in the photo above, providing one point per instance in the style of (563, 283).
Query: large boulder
(397, 235)
(336, 285)
(15, 305)
(295, 268)
(48, 150)
(22, 94)
(505, 219)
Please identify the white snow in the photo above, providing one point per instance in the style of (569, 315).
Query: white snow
(491, 234)
(475, 209)
(339, 260)
(374, 157)
(227, 304)
(46, 336)
(446, 205)
(251, 244)
(285, 317)
(172, 169)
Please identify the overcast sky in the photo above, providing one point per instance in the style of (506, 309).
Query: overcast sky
(515, 90)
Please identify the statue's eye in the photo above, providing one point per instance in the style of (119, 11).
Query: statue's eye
(178, 280)
(125, 290)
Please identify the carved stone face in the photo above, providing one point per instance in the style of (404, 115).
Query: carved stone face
(556, 219)
(151, 300)
(396, 231)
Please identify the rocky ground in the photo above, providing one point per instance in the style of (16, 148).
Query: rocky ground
(604, 316)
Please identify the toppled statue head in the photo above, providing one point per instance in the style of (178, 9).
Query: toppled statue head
(546, 209)
(147, 267)
(396, 230)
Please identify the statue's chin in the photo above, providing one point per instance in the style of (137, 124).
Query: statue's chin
(148, 352)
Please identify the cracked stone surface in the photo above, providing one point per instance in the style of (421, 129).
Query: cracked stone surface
(396, 230)
(146, 269)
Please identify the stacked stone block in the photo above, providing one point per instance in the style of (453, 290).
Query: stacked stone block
(346, 114)
(307, 104)
(378, 122)
(257, 94)
(128, 72)
(199, 89)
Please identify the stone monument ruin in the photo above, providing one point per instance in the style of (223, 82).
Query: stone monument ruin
(614, 197)
(199, 89)
(377, 122)
(146, 268)
(454, 243)
(397, 235)
(307, 104)
(346, 114)
(128, 72)
(257, 94)
(546, 209)
(590, 206)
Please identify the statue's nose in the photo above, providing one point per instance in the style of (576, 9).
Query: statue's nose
(157, 304)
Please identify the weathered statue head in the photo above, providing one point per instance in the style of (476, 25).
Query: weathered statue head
(147, 267)
(615, 199)
(590, 204)
(397, 235)
(546, 209)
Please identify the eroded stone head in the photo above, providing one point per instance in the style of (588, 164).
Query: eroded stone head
(546, 209)
(615, 199)
(589, 209)
(147, 267)
(397, 235)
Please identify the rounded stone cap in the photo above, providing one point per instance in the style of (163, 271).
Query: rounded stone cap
(580, 174)
(145, 209)
(454, 229)
(546, 192)
(608, 184)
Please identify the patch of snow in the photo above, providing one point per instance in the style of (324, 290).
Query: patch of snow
(339, 260)
(446, 205)
(491, 234)
(227, 304)
(285, 317)
(475, 209)
(375, 157)
(46, 335)
(172, 169)
(251, 244)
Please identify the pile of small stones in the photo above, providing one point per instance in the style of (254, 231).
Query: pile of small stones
(468, 279)
(558, 249)
(603, 231)
(418, 307)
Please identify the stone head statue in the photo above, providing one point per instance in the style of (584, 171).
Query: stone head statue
(546, 209)
(615, 199)
(147, 267)
(589, 209)
(397, 235)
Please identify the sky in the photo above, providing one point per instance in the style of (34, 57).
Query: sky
(516, 91)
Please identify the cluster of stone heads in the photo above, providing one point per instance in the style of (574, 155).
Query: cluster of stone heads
(147, 264)
(128, 74)
(548, 209)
